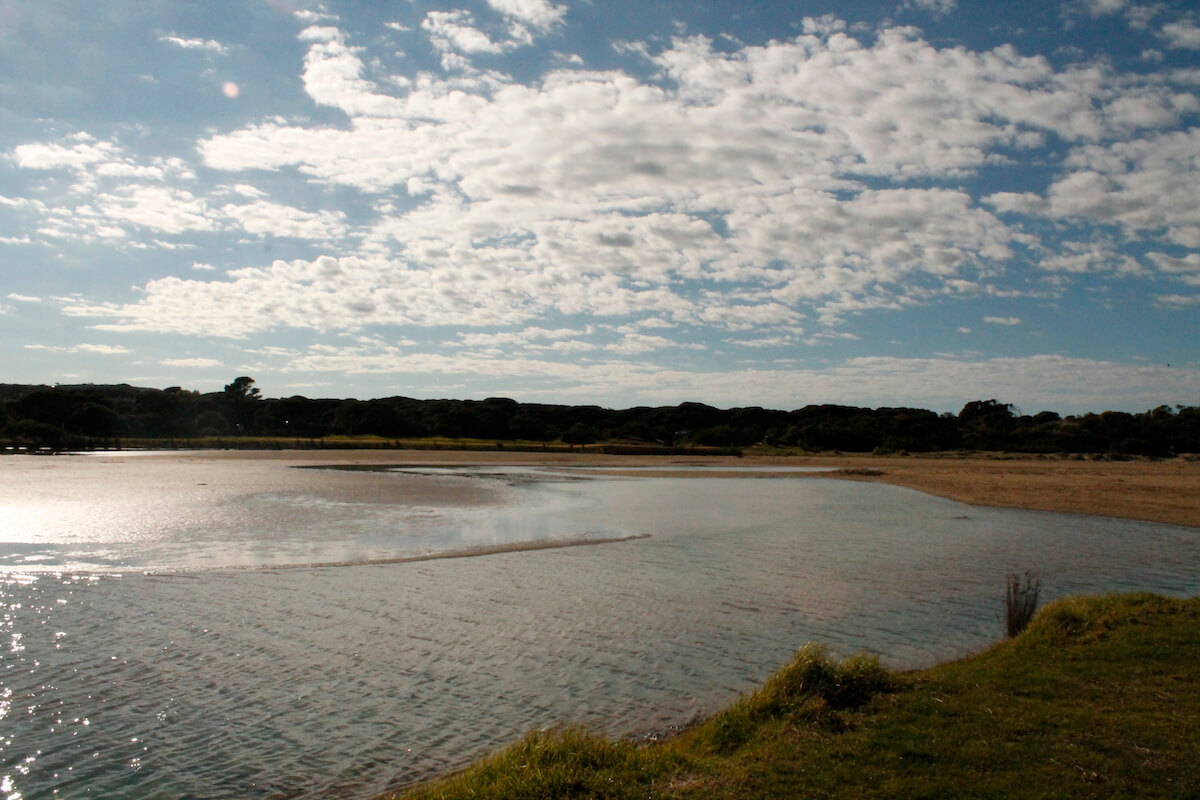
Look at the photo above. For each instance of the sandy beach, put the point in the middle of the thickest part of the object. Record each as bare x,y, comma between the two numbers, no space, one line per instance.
1154,491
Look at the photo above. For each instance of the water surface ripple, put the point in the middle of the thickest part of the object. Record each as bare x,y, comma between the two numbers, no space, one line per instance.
306,682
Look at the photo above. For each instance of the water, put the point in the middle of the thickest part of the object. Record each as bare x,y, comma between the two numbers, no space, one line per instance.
178,636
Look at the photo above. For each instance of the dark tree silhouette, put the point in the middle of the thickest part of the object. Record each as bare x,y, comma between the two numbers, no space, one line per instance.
92,415
242,388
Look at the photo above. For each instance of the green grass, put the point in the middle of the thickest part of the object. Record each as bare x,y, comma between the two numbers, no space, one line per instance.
1098,698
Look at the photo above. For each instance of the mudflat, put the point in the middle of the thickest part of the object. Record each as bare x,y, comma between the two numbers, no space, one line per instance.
1154,491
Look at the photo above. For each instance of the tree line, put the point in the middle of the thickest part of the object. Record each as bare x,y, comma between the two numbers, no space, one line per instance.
89,415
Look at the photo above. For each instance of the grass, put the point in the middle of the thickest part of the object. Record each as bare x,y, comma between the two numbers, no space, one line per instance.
1098,698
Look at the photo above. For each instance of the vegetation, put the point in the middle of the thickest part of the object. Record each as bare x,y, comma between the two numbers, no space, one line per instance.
1098,698
107,415
1020,601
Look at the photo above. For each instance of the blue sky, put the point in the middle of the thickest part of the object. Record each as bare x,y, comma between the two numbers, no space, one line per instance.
922,202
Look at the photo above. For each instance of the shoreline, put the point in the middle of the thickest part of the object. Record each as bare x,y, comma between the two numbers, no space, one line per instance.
1166,491
1015,715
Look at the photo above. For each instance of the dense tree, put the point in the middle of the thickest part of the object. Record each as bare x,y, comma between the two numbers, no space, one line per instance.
986,425
65,416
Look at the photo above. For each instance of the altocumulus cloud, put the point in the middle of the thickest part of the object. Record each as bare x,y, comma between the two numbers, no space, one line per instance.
567,222
565,193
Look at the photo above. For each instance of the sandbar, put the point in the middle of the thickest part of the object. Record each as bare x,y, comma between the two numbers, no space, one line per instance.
1166,491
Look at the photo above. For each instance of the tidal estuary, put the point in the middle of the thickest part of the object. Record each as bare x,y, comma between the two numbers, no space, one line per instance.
190,626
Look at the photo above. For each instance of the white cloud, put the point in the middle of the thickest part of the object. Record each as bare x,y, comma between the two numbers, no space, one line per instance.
23,298
114,169
331,294
525,336
596,174
86,151
246,190
788,108
273,219
1149,109
1002,320
154,207
1090,256
170,209
1182,35
1141,16
1186,269
747,188
936,7
763,342
94,349
310,16
1144,185
209,45
538,13
333,76
196,363
455,31
1100,8
20,202
824,25
1178,300
636,343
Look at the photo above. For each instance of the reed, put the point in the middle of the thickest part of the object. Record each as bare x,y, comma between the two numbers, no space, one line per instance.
1020,601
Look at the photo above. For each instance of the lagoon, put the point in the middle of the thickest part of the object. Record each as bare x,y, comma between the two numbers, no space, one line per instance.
181,626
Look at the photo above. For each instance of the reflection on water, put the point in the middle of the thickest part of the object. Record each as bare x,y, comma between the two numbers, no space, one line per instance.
307,682
172,516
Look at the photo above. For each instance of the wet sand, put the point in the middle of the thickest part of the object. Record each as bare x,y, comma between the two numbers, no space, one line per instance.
1154,491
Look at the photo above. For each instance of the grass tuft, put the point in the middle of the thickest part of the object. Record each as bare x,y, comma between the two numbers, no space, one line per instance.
1020,602
1083,620
807,689
560,763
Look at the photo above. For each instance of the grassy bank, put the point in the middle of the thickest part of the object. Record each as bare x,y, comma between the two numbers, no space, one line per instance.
1099,697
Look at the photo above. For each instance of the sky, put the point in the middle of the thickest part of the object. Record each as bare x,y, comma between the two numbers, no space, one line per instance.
906,203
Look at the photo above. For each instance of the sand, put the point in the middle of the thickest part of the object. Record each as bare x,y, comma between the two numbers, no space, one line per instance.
1155,491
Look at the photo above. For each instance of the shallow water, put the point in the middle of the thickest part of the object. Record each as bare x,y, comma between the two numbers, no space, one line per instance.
284,681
